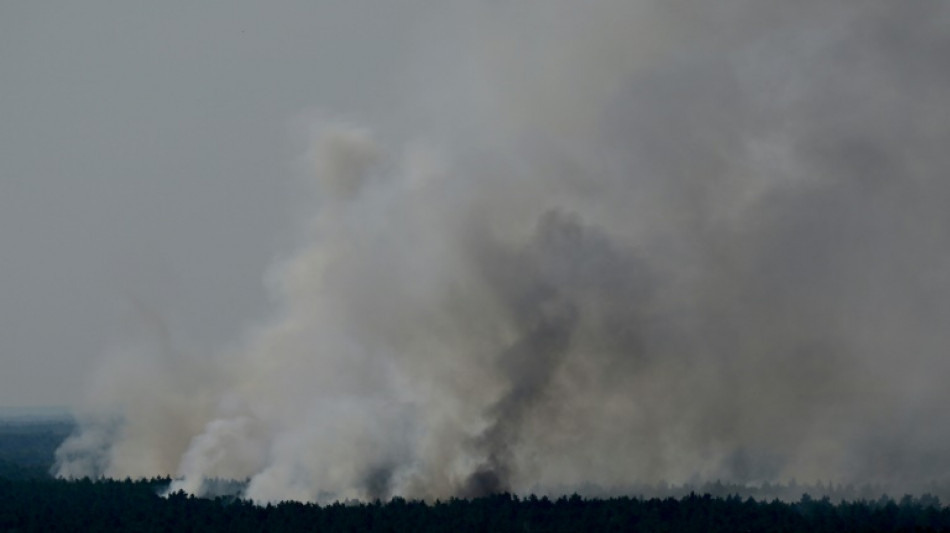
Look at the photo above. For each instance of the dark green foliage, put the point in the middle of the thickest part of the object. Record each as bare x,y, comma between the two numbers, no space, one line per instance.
31,443
11,470
84,505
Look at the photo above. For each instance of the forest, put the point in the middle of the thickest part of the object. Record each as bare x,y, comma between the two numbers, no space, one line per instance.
114,505
32,500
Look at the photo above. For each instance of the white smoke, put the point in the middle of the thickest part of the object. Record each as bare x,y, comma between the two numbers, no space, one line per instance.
673,241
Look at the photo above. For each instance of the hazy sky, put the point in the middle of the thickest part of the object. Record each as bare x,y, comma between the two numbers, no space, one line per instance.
149,164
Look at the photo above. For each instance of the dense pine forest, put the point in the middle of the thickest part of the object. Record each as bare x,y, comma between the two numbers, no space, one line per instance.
56,505
31,500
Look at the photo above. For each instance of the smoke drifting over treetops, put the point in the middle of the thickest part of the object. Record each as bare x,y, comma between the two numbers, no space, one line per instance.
654,241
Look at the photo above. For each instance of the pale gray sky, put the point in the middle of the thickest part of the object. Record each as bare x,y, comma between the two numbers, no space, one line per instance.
149,164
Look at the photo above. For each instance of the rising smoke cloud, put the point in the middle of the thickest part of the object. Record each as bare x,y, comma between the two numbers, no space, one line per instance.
655,241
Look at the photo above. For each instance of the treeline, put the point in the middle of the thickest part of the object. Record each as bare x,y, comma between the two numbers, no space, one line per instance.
766,491
31,442
56,505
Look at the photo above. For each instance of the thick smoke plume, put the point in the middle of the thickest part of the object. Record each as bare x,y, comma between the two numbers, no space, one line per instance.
654,241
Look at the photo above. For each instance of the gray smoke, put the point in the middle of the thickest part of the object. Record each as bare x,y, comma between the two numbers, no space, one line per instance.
640,241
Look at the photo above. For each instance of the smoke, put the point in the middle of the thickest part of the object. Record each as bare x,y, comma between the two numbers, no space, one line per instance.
646,241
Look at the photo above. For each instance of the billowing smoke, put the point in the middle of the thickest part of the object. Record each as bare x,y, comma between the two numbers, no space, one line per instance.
643,241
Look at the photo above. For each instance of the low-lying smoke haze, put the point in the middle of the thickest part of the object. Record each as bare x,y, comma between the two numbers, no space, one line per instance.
619,242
